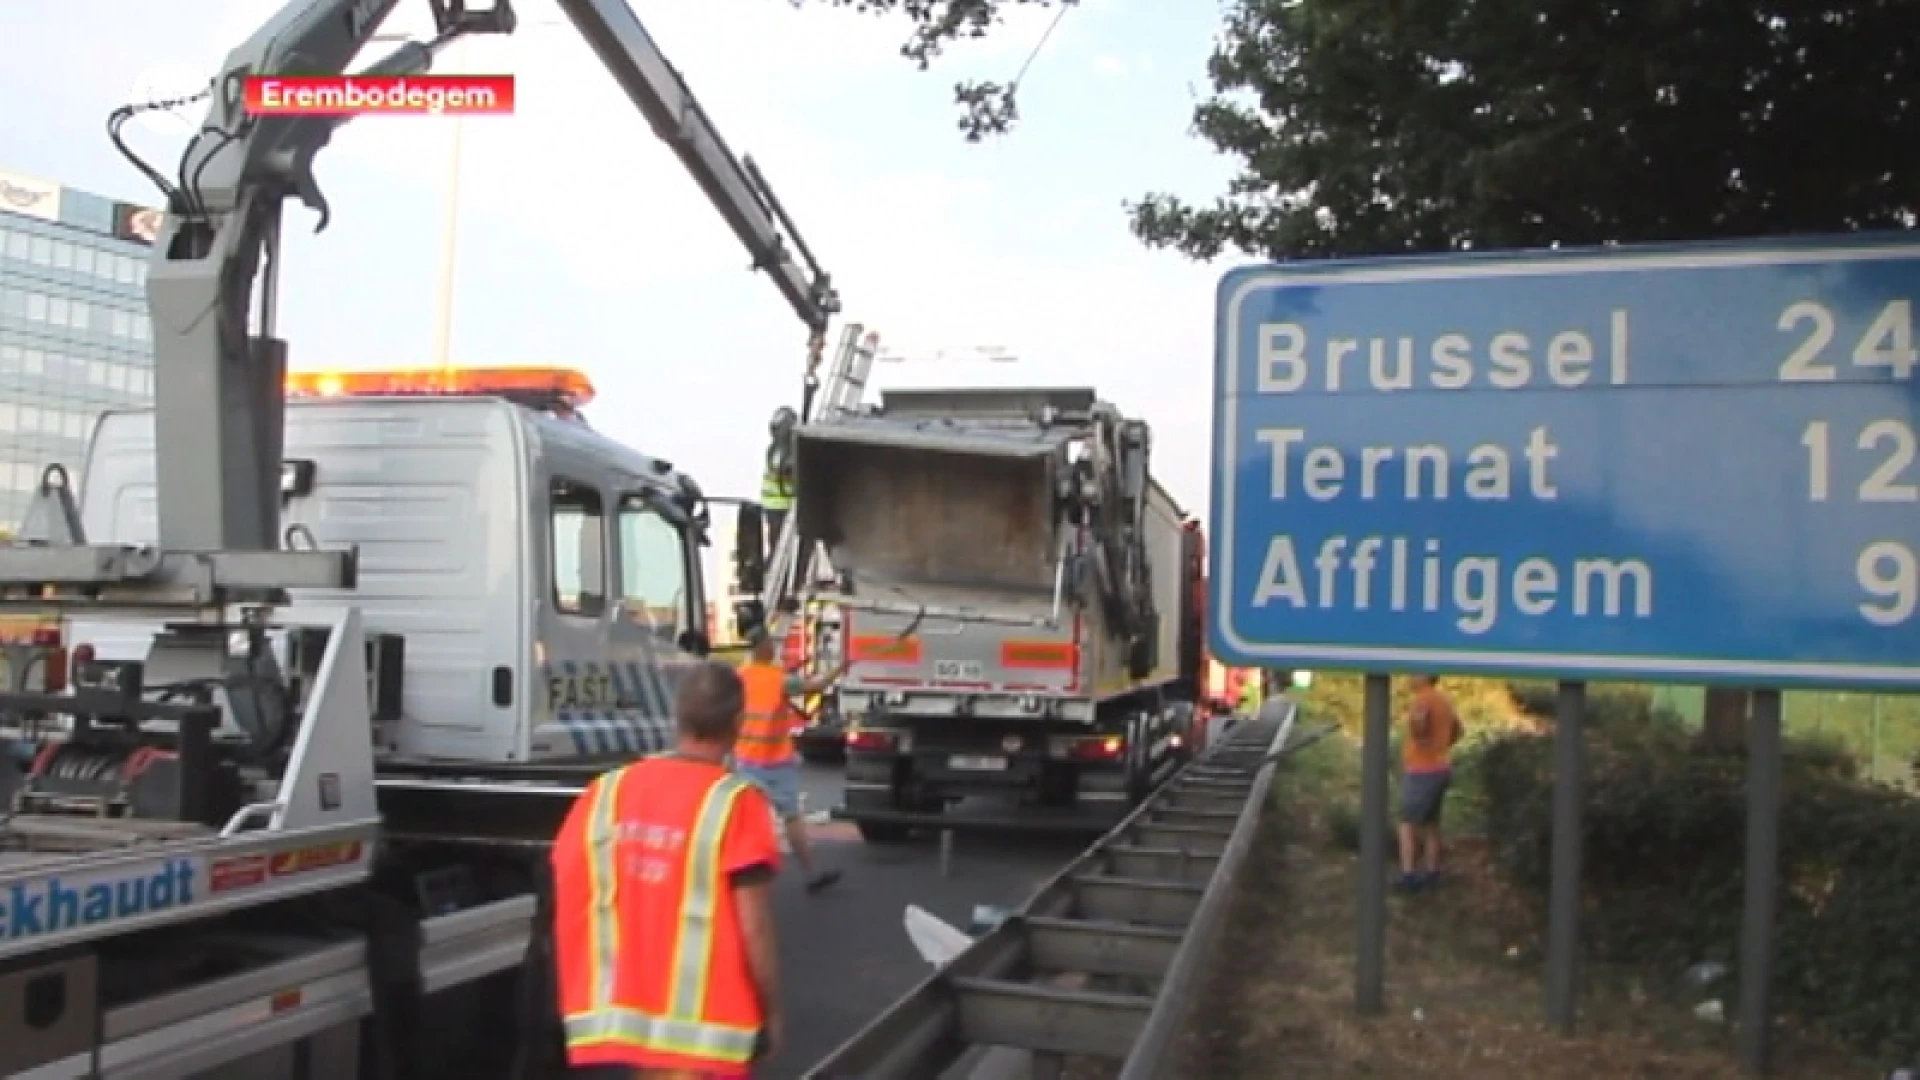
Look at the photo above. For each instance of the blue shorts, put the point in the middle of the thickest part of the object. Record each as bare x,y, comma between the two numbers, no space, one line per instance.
780,782
1422,794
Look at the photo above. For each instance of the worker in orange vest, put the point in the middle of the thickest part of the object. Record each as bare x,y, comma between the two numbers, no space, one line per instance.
664,944
765,753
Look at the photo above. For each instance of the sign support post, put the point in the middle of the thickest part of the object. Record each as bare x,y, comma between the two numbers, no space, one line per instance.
1763,881
1370,978
1563,902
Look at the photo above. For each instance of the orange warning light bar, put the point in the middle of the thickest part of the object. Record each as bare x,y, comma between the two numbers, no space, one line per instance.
565,385
884,650
1032,655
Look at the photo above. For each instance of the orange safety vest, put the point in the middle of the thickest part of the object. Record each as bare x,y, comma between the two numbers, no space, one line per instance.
649,956
766,729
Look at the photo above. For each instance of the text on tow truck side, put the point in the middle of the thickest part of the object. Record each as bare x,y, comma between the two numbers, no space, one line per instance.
315,663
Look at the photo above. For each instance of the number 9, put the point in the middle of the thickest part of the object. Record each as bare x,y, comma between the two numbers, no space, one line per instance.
1888,572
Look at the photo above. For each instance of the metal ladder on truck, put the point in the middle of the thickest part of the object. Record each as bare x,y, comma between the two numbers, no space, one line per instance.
843,392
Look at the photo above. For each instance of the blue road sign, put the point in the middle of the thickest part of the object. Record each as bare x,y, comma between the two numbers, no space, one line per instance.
1693,464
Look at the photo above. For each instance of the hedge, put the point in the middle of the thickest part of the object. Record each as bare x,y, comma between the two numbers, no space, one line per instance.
1665,842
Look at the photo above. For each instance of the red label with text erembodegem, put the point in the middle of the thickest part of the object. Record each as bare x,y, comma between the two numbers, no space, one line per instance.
363,95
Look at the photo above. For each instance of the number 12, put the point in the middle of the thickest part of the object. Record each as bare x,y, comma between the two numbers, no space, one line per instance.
1883,484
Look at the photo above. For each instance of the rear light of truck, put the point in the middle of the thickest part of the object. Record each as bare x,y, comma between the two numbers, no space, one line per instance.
57,660
1039,655
1102,748
868,740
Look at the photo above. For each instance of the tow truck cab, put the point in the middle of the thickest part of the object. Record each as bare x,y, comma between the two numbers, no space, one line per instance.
533,586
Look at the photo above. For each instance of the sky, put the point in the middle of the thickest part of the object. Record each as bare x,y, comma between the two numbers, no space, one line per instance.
578,240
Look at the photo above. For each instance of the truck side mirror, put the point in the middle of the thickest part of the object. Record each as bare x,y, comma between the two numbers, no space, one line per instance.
695,642
749,549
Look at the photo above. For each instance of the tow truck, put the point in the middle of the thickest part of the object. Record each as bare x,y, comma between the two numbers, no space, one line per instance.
308,703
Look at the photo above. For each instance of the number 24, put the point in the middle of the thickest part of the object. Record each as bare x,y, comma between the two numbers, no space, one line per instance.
1888,343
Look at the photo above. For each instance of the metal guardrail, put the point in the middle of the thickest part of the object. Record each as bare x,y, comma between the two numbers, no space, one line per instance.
1105,959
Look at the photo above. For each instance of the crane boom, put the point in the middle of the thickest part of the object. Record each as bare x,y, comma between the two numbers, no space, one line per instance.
734,186
219,400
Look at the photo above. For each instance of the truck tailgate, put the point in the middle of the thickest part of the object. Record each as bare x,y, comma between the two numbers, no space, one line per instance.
1004,649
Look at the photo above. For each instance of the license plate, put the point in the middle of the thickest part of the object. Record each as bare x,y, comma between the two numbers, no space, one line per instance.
978,762
956,670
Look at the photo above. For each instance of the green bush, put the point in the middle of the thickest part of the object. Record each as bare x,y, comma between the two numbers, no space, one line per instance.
1343,825
1608,704
1665,836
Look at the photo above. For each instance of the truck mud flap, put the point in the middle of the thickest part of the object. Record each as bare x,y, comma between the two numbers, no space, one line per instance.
392,932
540,1051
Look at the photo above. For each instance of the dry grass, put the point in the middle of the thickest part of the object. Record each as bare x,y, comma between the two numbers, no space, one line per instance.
1464,987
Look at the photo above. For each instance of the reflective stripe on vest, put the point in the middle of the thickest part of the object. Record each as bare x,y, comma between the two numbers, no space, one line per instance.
681,1031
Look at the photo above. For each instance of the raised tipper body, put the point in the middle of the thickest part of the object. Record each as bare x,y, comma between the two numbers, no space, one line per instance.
1016,589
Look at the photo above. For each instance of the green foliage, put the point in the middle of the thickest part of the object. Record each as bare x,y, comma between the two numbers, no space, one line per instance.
1371,127
1612,705
1665,828
1340,698
986,108
1343,825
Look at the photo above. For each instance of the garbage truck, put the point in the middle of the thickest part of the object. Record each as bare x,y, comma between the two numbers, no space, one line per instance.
1018,603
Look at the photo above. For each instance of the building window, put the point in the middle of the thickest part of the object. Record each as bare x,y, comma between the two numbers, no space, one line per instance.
123,270
19,246
36,307
42,251
83,260
578,549
59,311
653,570
120,324
9,416
62,255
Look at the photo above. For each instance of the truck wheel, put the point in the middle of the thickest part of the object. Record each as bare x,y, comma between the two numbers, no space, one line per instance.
878,832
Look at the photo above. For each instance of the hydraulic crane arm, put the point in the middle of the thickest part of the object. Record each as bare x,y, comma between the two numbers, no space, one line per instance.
219,398
734,186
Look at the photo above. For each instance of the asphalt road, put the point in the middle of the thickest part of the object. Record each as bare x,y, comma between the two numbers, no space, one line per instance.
844,952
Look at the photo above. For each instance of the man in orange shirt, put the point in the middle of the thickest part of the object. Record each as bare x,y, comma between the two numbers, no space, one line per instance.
1426,754
766,755
664,944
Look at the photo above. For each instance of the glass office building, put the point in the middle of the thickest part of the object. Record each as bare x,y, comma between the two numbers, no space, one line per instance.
74,332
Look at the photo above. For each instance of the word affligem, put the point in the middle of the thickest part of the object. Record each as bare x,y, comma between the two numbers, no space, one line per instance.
359,95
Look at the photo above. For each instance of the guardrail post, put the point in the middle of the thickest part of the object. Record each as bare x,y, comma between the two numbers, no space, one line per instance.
1563,903
1369,990
1763,880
